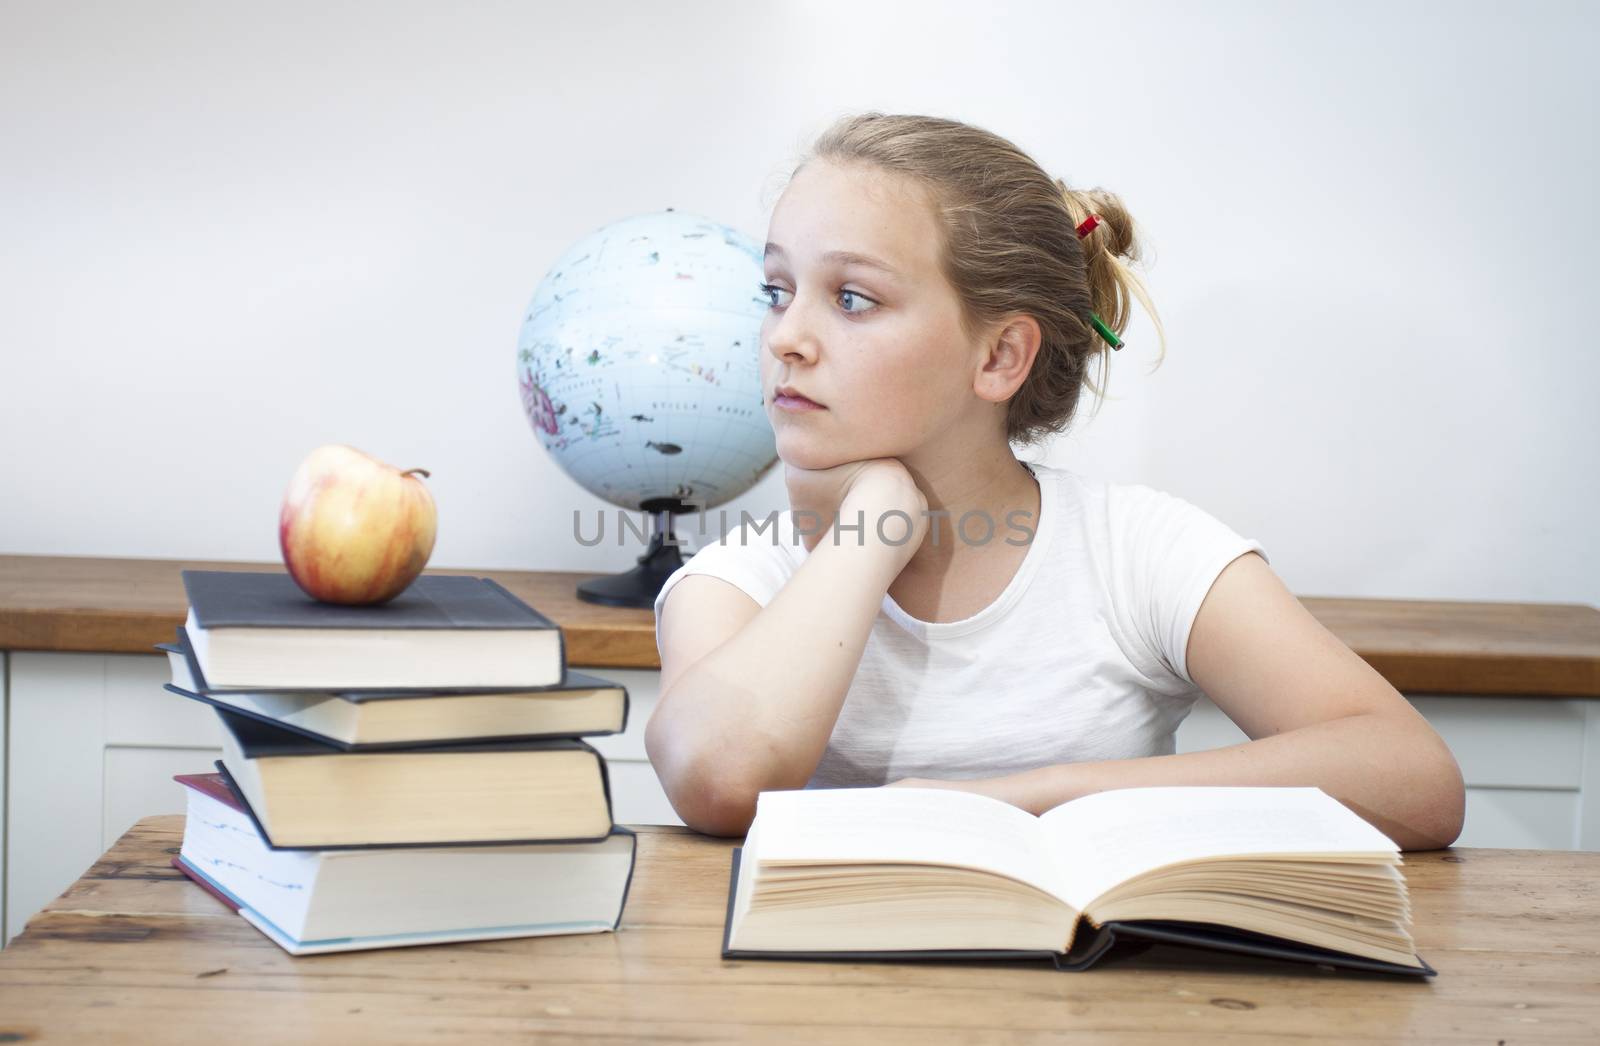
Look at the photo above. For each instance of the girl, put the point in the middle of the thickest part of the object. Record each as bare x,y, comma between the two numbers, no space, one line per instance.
936,612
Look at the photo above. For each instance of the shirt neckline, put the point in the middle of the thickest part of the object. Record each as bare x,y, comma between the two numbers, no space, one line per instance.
1019,581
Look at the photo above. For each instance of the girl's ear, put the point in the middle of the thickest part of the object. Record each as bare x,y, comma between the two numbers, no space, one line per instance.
1008,359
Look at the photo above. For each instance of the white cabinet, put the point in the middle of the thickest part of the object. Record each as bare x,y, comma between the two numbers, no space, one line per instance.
1529,764
94,740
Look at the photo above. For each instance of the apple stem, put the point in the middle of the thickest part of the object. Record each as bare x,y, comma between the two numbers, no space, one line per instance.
407,472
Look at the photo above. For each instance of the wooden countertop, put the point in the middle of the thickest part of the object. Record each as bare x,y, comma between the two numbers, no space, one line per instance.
93,604
134,952
88,603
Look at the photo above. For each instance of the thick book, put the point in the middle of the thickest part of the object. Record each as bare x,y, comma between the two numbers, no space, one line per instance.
258,631
581,705
308,795
924,873
315,901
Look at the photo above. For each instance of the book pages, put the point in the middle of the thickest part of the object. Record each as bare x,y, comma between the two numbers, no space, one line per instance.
902,825
1103,839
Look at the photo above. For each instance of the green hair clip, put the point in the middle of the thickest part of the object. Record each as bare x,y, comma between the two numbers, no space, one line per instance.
1105,332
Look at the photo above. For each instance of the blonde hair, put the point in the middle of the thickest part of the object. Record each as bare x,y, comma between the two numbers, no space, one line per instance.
1010,246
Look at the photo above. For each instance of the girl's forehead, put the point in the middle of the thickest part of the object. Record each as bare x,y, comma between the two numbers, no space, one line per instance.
853,190
848,216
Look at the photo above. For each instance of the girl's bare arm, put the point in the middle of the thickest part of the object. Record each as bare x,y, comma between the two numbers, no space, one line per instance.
749,694
1316,713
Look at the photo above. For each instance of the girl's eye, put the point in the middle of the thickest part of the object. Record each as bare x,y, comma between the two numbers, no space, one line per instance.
767,290
854,296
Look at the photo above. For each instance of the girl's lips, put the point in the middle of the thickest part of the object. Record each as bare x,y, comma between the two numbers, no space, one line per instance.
796,403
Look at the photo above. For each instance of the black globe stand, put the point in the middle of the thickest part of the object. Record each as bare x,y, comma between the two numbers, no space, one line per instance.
639,586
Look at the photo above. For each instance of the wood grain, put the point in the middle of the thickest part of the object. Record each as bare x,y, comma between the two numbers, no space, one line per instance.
135,953
72,603
82,603
1465,647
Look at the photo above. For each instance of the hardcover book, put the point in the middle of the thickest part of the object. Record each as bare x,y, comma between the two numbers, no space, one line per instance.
306,794
924,873
581,705
258,631
313,901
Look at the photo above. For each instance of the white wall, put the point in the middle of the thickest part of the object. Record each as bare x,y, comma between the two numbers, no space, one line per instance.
235,232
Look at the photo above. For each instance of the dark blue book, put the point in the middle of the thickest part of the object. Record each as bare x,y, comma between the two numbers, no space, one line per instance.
581,705
258,631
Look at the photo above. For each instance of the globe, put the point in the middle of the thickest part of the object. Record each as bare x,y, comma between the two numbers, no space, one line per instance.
638,367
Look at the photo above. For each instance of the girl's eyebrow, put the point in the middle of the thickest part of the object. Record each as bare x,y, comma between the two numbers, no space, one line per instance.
842,257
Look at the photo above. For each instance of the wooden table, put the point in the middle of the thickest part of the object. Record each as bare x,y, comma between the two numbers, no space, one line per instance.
134,952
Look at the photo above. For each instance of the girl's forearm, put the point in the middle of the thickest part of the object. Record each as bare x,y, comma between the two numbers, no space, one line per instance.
1402,780
757,712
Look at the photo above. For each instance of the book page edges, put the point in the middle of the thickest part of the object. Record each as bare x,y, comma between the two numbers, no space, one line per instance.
283,658
847,896
739,871
1090,942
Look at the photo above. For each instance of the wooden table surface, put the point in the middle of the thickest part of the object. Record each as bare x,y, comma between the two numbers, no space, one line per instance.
134,952
82,603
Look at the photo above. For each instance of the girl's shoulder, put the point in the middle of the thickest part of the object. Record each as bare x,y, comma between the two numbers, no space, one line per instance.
1119,509
756,555
1156,555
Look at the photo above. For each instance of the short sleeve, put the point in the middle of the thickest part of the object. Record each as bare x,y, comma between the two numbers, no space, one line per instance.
1166,554
754,558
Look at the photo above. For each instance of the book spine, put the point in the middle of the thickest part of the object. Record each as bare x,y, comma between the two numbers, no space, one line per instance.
183,866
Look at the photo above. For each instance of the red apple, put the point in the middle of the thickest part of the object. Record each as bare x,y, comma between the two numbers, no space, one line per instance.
354,530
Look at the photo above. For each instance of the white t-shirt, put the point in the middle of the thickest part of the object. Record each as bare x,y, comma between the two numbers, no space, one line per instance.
1081,658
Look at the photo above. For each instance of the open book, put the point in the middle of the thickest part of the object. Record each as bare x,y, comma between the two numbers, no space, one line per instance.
901,873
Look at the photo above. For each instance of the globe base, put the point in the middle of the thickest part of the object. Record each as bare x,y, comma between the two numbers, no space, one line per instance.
640,586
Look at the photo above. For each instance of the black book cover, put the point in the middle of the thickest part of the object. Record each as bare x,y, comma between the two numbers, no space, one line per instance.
478,743
1091,944
271,599
264,738
571,679
574,680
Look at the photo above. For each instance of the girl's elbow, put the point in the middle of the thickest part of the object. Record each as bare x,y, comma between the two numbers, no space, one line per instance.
727,816
1453,814
699,787
1446,811
713,809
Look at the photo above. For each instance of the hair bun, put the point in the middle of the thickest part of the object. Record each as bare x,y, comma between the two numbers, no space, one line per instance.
1114,232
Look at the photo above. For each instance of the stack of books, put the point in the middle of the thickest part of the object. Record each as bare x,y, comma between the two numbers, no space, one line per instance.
407,773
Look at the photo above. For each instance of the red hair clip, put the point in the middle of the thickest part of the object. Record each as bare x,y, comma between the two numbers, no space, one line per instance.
1088,225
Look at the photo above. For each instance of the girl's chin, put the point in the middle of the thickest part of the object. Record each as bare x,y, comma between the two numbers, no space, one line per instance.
803,450
800,456
817,460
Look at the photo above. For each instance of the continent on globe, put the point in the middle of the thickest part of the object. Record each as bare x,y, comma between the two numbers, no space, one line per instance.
638,363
